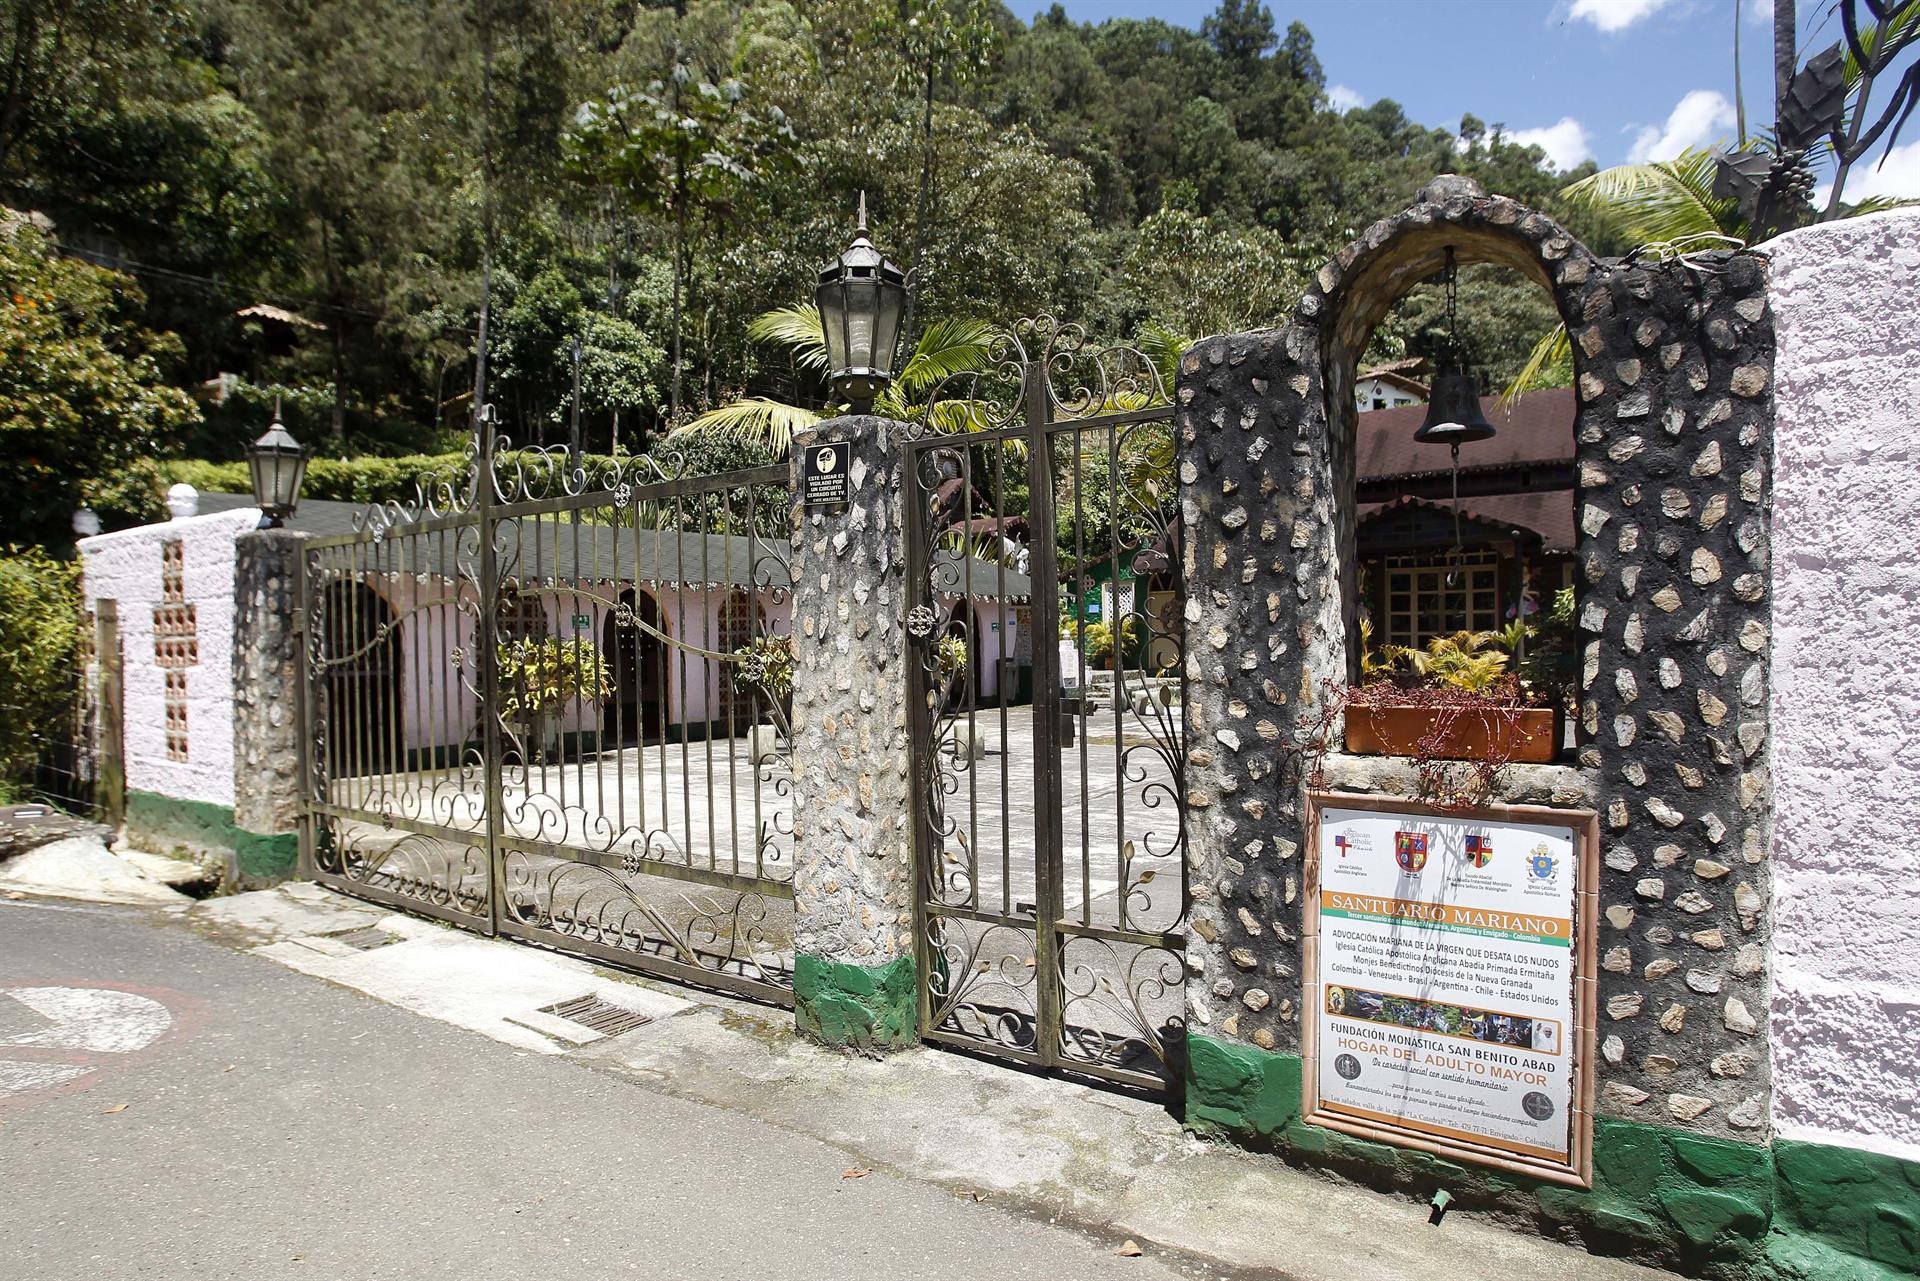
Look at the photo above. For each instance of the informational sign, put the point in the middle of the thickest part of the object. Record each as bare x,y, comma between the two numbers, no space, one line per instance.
1446,952
825,474
583,622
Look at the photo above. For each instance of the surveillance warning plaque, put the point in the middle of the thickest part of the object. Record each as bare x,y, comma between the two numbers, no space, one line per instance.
1451,980
825,479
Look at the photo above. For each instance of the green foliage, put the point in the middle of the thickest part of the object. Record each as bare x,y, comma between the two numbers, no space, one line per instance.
1470,661
135,494
1475,662
346,480
82,388
39,650
1097,639
946,348
650,178
1546,668
540,677
950,655
766,663
1660,202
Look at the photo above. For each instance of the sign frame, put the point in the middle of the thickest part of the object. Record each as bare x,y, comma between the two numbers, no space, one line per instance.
1584,827
826,474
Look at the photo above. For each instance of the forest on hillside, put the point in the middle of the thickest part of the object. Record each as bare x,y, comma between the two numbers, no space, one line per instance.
636,178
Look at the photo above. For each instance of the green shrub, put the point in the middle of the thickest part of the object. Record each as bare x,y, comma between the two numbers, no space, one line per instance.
39,651
540,677
377,479
766,662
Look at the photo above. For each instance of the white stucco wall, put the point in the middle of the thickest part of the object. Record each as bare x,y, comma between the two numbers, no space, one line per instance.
126,567
440,709
1846,684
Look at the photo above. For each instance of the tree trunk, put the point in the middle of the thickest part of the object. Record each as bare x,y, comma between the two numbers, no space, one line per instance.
679,271
920,212
1739,92
1786,54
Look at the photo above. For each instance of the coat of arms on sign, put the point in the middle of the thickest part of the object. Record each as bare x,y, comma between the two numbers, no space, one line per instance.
1410,851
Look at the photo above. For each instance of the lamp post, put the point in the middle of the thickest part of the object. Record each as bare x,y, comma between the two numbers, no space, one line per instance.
278,463
862,298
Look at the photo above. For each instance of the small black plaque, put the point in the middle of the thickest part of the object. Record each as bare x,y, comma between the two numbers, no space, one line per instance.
824,474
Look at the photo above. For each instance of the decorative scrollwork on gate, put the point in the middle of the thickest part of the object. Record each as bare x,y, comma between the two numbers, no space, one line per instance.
526,710
1051,833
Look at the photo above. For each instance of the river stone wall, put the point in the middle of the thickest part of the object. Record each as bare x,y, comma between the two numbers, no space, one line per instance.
853,854
1673,361
266,700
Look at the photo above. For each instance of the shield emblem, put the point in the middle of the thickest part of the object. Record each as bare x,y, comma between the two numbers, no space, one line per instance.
1410,851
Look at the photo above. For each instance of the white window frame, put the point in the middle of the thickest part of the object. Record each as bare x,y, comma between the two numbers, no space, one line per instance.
1417,604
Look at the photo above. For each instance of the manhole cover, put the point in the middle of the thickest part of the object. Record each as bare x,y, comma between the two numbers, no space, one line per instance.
366,938
600,1016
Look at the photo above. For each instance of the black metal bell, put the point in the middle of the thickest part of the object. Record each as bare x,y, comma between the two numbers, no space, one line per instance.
1453,412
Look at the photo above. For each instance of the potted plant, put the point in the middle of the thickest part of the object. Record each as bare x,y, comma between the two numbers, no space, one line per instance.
538,678
765,664
1453,700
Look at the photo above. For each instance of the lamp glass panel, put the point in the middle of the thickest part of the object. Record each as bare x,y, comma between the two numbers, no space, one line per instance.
862,303
262,466
832,300
299,470
886,329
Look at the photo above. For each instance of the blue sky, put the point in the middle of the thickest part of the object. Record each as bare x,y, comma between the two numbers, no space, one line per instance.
1616,80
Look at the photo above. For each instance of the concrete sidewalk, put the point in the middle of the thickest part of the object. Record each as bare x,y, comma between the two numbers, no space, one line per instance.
1111,1164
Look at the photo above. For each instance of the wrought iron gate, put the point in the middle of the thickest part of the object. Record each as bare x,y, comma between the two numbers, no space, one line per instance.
544,700
1048,710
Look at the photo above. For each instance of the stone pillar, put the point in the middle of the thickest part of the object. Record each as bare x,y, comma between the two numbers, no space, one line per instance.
266,704
854,983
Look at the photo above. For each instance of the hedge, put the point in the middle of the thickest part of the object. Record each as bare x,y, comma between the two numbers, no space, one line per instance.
371,480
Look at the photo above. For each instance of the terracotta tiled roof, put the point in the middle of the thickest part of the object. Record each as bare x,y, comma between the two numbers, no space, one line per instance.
1536,428
1546,512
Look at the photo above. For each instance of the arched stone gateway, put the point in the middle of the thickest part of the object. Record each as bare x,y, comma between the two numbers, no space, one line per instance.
1673,358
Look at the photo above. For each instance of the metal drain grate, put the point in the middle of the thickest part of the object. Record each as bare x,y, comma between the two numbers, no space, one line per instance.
366,938
600,1016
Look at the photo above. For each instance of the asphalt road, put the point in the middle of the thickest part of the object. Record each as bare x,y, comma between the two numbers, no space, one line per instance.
269,1125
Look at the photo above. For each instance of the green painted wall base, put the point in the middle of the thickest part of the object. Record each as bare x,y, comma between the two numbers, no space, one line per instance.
1790,1212
856,1007
167,824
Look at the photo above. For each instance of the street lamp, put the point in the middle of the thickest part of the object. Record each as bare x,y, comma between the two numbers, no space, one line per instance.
861,297
279,464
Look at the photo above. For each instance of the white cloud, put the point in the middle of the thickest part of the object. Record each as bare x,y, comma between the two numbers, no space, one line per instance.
1345,99
1758,12
1610,16
1703,116
1565,143
1899,176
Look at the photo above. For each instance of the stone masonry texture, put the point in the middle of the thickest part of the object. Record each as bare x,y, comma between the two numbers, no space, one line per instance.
266,682
853,856
1673,361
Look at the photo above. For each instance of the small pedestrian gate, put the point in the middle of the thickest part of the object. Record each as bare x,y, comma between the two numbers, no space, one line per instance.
1050,827
546,700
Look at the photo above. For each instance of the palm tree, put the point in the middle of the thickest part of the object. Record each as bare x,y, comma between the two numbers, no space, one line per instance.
1663,206
1660,203
946,348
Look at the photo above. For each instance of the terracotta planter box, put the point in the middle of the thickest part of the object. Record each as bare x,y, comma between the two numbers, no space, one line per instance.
1533,738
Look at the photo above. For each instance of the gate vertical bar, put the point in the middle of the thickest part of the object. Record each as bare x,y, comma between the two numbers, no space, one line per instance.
926,858
308,723
1046,702
486,629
